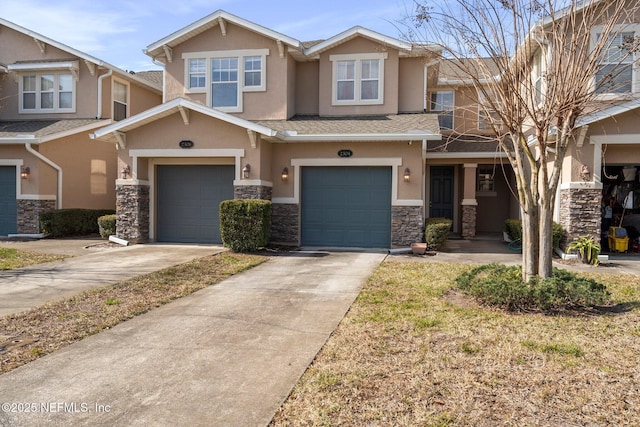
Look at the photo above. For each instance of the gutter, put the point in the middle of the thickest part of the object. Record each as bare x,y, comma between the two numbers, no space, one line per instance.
30,149
102,77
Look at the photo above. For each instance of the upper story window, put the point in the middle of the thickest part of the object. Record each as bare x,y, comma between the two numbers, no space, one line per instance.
442,103
486,114
617,74
358,79
120,100
47,92
225,75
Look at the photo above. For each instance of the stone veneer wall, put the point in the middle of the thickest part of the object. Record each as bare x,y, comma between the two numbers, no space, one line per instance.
580,213
252,192
285,224
28,213
407,225
132,212
468,221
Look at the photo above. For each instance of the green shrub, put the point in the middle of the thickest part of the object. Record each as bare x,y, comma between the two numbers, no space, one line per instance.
436,232
107,225
513,227
502,286
71,222
245,224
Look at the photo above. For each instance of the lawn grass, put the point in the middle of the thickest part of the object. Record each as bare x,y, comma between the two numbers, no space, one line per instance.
15,258
413,351
47,328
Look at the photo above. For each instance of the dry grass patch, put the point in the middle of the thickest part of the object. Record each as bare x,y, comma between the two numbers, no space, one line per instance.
14,258
409,354
42,330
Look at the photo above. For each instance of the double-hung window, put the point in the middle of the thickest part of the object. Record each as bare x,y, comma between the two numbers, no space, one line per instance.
48,92
358,79
120,100
225,75
486,114
442,103
616,71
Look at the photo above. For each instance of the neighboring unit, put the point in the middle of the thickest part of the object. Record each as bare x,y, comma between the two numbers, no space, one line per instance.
51,98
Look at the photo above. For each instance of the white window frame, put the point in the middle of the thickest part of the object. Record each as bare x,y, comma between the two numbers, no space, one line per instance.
483,121
453,106
113,97
187,73
56,92
358,59
635,79
240,54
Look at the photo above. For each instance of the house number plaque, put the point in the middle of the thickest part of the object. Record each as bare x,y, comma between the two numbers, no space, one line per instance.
186,144
345,153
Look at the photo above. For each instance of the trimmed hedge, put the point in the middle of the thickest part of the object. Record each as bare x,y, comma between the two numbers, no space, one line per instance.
72,222
436,232
513,227
245,224
107,225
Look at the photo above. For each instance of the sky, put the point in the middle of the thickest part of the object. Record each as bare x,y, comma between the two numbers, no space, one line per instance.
116,31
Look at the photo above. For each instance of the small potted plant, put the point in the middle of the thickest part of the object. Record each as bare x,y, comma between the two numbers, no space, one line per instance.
588,249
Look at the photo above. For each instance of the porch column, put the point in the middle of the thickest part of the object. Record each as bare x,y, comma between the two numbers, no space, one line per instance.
469,202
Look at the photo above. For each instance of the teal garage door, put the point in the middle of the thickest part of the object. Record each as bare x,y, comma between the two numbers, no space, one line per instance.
189,201
346,206
8,204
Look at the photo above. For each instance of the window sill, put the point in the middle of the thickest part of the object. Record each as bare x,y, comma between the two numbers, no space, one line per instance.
486,194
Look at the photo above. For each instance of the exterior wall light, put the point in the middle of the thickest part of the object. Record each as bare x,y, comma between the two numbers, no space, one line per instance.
246,170
407,175
25,172
125,171
285,174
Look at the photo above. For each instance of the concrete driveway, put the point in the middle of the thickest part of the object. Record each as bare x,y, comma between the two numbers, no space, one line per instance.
93,264
227,355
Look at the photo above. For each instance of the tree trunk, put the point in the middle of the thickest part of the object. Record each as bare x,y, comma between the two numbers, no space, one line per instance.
530,226
545,257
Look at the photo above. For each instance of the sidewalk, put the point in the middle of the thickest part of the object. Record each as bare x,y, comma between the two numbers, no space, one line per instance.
25,288
227,355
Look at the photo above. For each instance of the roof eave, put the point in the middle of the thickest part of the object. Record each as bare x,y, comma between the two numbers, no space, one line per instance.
336,137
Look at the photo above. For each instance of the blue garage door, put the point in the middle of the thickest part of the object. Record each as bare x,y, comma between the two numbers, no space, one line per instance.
189,202
346,206
8,205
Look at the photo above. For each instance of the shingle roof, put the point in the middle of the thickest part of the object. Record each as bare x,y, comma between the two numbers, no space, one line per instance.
361,125
464,145
42,128
154,76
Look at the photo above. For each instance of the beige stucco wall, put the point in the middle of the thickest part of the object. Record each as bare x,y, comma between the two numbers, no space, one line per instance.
307,88
268,105
89,171
40,181
411,85
391,66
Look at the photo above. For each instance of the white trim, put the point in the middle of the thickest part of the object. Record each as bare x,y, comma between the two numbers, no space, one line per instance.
37,92
409,202
17,163
140,119
357,81
252,182
37,197
358,31
616,30
469,202
236,153
133,182
628,138
73,131
409,136
125,83
44,66
393,162
608,112
466,155
577,185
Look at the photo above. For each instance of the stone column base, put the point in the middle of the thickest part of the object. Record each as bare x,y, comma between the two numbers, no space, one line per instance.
252,192
285,224
132,212
580,213
28,214
407,225
468,221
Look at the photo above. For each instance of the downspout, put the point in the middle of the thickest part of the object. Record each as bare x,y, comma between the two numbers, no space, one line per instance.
53,165
102,77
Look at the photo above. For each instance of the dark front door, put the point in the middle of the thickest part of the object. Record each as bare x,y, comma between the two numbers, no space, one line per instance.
441,192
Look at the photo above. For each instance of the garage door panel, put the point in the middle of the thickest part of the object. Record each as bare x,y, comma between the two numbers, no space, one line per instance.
188,202
8,203
346,206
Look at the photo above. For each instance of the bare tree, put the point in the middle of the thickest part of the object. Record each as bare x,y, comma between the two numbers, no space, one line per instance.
550,59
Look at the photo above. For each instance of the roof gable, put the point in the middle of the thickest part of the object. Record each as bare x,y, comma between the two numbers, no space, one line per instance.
91,61
161,49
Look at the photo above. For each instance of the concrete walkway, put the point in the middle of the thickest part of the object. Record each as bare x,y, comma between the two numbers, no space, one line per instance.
227,355
25,288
